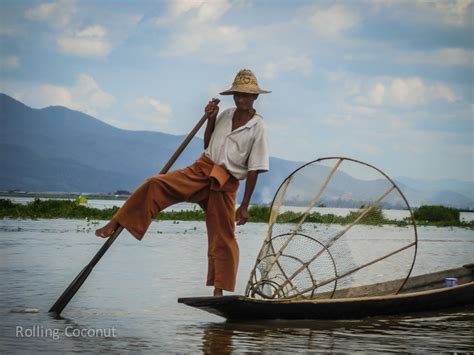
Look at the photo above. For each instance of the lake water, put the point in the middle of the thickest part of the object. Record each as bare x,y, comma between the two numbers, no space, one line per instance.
132,294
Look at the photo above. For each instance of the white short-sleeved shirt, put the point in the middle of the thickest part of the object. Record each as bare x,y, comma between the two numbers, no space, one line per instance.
242,150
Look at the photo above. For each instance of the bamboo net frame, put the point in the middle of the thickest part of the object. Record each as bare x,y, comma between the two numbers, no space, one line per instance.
268,251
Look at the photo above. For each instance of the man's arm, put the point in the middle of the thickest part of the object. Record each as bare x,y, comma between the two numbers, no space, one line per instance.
242,213
211,111
258,162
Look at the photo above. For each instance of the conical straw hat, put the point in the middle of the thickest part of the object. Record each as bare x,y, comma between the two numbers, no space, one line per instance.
246,82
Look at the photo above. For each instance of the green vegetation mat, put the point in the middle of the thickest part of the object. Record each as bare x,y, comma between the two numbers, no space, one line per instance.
425,215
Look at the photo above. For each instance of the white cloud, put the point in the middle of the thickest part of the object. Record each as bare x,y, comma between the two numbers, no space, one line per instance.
439,57
177,8
289,63
51,95
454,12
231,39
194,11
194,26
377,94
85,96
442,92
405,91
56,14
89,96
211,11
160,107
333,21
148,113
227,39
78,33
92,31
10,62
90,42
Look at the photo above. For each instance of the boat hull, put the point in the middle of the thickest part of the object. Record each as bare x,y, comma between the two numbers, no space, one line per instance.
241,307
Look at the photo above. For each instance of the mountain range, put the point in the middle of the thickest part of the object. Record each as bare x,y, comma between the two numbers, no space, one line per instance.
58,149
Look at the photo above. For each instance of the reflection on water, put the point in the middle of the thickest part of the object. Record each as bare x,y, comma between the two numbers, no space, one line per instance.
447,331
135,286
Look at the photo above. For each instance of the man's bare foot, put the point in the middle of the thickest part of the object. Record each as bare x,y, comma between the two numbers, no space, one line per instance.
107,230
218,292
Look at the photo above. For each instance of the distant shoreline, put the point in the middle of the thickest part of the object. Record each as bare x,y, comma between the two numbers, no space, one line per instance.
77,209
66,195
112,197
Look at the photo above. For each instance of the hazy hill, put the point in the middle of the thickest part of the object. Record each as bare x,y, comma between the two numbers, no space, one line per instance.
448,192
58,149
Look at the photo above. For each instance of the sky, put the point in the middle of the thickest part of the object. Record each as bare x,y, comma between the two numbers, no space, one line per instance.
389,83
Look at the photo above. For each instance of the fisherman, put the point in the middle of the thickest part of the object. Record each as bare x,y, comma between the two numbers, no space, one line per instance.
235,144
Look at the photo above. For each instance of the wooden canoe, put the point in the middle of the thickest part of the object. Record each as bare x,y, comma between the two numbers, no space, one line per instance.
421,293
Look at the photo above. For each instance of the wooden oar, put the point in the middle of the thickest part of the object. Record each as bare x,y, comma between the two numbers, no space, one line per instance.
71,290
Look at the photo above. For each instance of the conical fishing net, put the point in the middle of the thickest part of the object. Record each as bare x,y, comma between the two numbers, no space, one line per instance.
329,235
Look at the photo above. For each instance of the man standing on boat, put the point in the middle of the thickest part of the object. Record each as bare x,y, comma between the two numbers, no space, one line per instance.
235,146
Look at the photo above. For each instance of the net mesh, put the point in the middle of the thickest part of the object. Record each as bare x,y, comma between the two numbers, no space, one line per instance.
329,237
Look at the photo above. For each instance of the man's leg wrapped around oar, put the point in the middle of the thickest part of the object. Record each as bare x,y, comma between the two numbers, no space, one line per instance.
197,183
